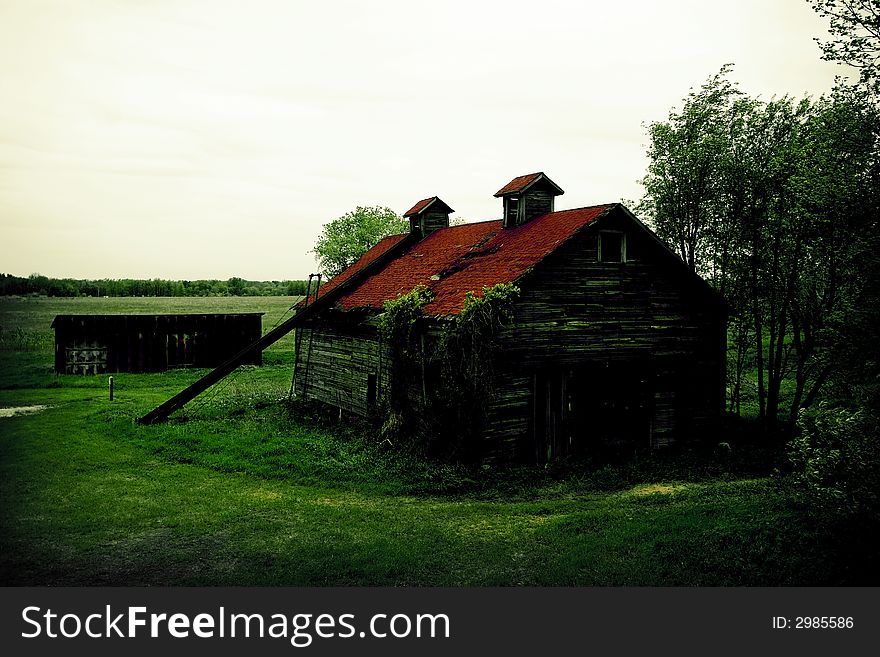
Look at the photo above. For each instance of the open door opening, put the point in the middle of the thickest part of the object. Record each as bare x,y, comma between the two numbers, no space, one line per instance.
592,410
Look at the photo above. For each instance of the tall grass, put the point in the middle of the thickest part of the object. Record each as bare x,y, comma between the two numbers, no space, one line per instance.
20,339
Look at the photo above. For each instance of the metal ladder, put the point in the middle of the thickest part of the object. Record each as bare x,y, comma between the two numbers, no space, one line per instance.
298,344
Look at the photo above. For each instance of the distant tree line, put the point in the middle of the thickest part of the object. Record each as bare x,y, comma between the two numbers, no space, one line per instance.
37,284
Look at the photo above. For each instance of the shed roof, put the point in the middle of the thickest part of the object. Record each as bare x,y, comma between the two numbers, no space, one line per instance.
459,259
119,318
383,246
522,183
425,203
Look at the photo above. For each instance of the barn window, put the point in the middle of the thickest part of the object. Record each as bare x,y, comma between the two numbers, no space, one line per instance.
510,220
371,389
612,246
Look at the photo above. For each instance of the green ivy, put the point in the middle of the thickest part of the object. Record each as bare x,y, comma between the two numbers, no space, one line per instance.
399,326
457,363
469,343
466,352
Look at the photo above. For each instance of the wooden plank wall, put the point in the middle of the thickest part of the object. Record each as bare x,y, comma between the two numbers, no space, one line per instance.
97,344
535,203
336,366
574,310
434,221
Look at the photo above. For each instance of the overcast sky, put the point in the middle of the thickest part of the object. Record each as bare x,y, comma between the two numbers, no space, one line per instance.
205,139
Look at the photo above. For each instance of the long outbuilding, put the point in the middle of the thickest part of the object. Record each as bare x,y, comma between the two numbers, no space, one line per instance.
98,344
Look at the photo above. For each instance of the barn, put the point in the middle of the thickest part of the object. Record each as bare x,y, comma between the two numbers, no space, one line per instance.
613,340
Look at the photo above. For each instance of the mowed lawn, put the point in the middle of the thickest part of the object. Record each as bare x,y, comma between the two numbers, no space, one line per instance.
237,490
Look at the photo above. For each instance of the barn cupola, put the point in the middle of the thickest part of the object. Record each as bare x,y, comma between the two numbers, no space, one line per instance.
428,215
526,197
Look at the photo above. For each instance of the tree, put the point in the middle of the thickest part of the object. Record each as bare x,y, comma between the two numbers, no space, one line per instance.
347,238
697,193
775,203
855,30
834,299
235,286
685,153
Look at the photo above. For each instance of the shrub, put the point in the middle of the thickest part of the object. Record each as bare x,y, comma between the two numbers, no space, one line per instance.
836,458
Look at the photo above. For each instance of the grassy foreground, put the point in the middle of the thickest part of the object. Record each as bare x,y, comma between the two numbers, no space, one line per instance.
237,491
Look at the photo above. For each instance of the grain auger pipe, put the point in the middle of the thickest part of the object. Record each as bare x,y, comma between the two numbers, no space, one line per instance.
189,393
161,413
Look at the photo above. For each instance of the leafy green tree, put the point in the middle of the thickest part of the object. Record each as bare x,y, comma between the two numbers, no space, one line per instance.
347,238
854,26
685,153
837,192
236,286
775,203
772,238
697,191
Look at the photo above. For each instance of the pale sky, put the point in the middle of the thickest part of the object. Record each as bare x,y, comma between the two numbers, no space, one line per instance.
192,139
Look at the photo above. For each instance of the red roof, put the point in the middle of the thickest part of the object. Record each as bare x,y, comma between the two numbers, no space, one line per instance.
425,203
381,247
518,184
459,259
418,207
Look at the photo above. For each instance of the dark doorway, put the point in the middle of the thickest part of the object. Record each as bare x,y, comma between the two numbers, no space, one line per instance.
592,409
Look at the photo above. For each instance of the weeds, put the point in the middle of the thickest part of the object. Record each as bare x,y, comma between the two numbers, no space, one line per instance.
19,339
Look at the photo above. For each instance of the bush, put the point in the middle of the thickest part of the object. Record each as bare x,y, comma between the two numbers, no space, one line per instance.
836,458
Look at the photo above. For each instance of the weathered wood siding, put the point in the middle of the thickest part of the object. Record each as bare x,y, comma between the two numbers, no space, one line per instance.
574,310
334,363
432,221
527,206
535,203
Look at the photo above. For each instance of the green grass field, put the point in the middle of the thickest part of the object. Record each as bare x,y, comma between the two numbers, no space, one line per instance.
236,490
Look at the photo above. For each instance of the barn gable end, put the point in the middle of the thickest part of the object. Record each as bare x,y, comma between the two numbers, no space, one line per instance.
607,354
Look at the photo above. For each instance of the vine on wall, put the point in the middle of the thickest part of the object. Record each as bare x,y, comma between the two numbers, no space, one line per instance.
401,330
440,382
466,353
